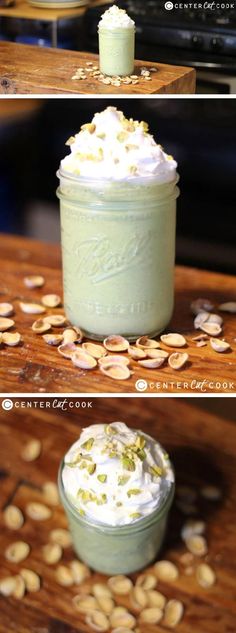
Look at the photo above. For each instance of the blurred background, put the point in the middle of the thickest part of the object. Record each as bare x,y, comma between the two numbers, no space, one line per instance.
200,133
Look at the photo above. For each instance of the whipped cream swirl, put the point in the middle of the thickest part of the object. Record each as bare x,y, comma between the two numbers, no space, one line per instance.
115,476
113,147
115,18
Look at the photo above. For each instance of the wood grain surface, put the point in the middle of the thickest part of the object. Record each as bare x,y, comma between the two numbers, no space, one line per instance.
35,366
203,449
36,70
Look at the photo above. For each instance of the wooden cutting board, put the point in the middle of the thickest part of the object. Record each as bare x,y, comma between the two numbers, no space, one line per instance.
36,70
203,449
37,367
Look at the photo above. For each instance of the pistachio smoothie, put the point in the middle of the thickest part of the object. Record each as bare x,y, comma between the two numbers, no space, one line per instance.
116,485
116,34
118,206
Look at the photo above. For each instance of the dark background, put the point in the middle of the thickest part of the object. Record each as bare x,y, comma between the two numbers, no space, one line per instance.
200,133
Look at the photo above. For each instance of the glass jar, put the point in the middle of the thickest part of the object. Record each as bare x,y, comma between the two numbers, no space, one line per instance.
117,550
116,50
118,252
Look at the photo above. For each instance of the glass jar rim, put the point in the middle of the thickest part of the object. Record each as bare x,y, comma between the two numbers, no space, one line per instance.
123,529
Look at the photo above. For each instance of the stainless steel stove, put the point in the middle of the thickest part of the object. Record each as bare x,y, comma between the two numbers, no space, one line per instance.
200,37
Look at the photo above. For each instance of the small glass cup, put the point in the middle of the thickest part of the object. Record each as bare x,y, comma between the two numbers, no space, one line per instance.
116,51
118,252
117,550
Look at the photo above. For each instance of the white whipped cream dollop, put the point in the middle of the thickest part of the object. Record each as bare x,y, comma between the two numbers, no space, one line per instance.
116,148
115,18
114,475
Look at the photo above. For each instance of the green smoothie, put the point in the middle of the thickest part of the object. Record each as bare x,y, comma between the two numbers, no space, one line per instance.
116,34
118,248
108,535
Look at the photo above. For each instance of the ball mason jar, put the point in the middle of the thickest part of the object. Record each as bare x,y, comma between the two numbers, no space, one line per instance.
117,550
116,50
118,252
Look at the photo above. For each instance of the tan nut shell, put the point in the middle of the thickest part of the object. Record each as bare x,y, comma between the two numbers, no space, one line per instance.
67,349
53,339
38,511
137,353
116,371
51,301
152,363
31,450
83,360
147,343
229,306
97,351
116,359
177,360
213,329
6,309
17,552
166,571
6,324
13,517
173,613
173,340
39,326
116,343
201,305
34,281
11,338
219,345
31,579
31,308
56,320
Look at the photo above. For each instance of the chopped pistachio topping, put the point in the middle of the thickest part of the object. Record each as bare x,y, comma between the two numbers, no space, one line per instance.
91,469
122,480
88,445
101,135
101,500
128,463
134,491
137,459
102,478
133,169
82,512
88,127
157,471
109,430
140,441
70,141
122,136
142,454
130,146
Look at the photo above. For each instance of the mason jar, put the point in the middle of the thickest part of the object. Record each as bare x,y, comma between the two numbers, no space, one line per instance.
116,50
117,550
118,252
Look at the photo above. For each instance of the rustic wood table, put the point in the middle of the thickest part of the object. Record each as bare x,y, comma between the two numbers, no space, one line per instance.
36,70
203,449
37,367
